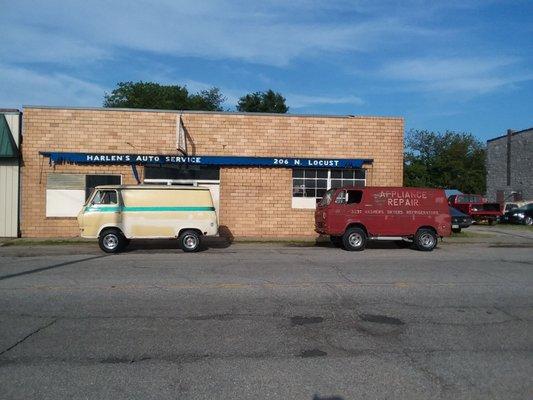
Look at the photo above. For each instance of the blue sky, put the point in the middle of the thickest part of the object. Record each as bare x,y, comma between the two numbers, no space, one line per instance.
459,65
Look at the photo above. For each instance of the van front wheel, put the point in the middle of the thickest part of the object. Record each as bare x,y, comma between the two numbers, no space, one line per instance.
354,239
425,240
112,241
190,241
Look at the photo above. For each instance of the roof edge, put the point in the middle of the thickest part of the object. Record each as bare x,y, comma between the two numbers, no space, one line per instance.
230,113
512,134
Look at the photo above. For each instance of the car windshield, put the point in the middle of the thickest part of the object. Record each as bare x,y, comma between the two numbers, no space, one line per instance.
327,198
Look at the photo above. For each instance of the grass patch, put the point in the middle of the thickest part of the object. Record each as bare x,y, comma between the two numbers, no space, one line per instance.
467,234
514,227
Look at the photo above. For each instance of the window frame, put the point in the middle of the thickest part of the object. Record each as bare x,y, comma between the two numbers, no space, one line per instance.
328,179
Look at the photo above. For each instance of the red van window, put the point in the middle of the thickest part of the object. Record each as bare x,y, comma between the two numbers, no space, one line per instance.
354,196
349,197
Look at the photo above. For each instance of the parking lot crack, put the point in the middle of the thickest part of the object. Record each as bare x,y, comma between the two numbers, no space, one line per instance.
29,335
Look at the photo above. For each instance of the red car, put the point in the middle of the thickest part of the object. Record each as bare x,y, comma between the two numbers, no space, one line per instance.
351,216
477,207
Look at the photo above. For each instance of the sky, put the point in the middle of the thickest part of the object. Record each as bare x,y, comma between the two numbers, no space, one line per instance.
462,65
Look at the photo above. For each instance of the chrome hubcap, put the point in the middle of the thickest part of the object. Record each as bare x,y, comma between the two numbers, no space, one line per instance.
355,240
110,241
190,241
427,240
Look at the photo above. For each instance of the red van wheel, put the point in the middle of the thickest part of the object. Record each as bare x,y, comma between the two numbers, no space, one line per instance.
425,239
354,239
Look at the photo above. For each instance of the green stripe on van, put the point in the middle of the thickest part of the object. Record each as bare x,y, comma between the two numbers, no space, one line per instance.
147,209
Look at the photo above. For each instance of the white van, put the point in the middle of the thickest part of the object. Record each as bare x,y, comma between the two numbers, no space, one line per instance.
116,214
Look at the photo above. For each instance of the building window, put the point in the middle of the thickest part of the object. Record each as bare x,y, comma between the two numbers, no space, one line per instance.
66,193
309,185
91,181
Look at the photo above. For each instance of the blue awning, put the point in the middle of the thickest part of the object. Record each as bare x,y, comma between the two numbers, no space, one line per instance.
236,161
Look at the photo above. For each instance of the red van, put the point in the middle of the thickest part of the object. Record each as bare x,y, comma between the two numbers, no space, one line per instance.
353,215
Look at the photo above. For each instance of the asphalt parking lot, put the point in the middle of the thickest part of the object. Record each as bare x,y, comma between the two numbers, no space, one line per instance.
267,321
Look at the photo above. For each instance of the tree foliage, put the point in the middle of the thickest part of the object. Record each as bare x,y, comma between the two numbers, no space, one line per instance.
168,97
269,102
449,160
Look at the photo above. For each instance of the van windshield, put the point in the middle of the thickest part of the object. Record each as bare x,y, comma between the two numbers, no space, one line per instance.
326,200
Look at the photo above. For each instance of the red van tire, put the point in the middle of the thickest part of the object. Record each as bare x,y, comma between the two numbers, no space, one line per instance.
425,239
112,241
336,240
354,239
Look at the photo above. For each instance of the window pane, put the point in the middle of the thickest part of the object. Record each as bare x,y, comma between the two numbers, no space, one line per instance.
347,182
91,181
336,183
348,174
310,183
320,192
297,173
322,183
310,192
336,173
360,174
310,173
322,173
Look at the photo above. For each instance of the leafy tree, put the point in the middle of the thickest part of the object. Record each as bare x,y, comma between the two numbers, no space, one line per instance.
168,97
449,160
269,102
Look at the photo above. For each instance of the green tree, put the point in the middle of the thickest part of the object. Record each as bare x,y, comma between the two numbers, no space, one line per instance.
268,102
449,160
162,97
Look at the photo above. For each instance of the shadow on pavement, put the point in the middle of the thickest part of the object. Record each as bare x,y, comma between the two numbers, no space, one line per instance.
33,271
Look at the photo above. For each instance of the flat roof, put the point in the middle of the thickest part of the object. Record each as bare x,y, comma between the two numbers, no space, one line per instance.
512,134
158,187
230,113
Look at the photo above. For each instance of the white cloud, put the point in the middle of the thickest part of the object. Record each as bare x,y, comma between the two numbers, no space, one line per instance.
301,101
475,75
20,86
271,34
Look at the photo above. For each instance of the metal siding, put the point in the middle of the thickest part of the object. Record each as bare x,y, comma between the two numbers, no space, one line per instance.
9,185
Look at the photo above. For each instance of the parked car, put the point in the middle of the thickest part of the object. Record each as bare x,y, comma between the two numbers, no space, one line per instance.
521,215
511,205
459,220
352,215
116,214
476,207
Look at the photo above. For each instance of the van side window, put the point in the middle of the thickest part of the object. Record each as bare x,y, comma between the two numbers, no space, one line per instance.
105,197
341,198
354,196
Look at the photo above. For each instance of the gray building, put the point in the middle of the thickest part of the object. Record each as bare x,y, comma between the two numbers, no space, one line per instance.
510,166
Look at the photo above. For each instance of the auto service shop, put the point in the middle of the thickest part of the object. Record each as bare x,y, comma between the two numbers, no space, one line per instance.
265,171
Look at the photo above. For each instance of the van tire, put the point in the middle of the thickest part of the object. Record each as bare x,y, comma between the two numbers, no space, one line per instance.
112,241
425,239
336,240
354,239
190,241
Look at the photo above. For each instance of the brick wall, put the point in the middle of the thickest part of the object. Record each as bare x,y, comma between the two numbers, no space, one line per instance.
254,202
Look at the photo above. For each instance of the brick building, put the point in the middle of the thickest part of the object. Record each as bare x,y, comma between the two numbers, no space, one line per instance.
510,166
265,170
